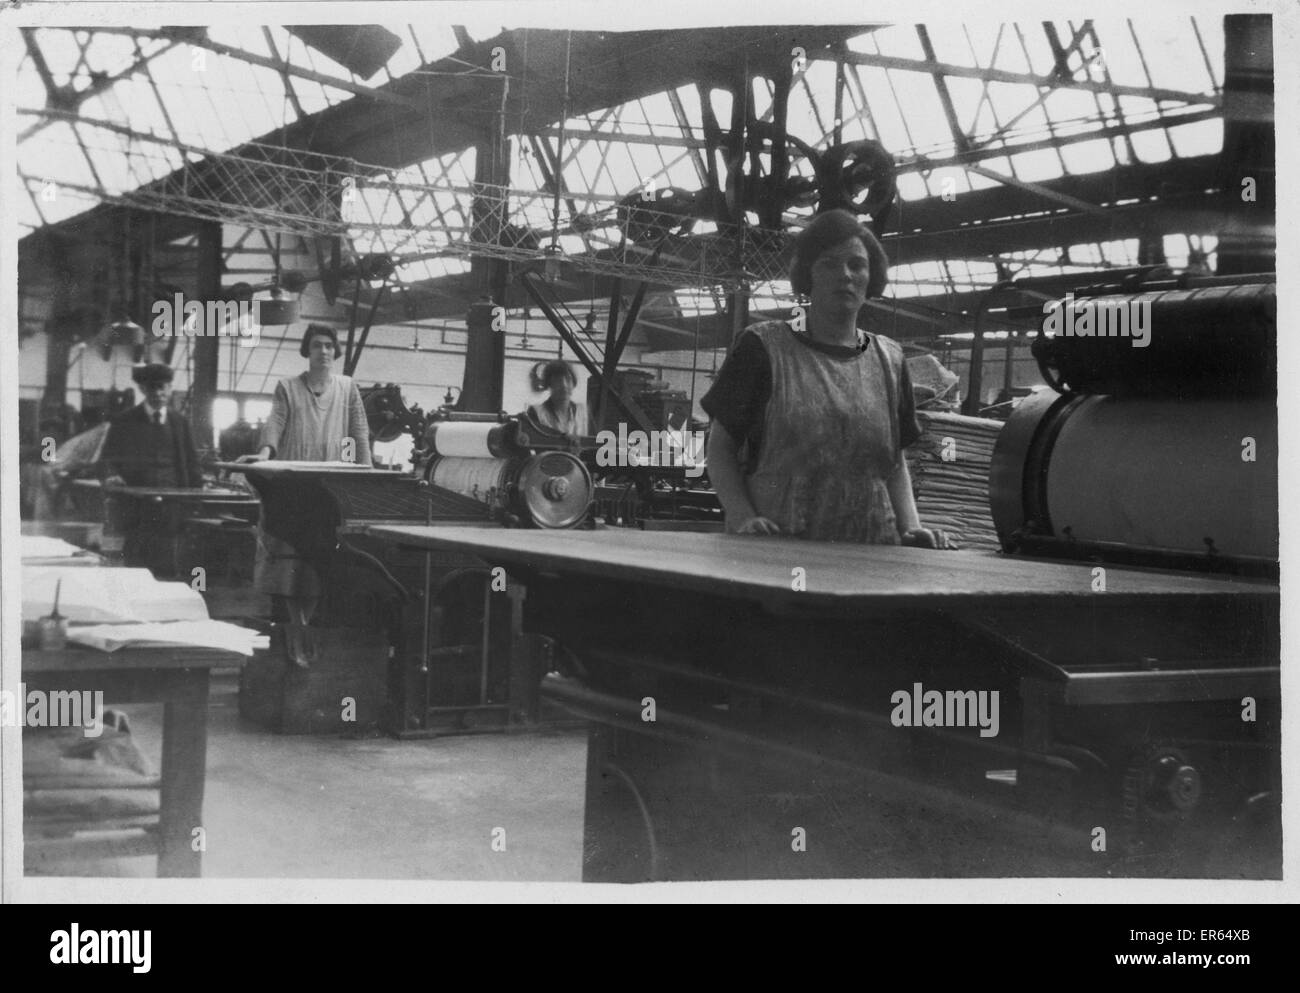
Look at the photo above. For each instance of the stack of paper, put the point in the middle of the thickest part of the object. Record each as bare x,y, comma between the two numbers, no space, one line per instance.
197,634
108,596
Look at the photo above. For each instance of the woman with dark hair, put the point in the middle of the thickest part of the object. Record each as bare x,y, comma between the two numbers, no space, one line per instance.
316,416
558,411
810,423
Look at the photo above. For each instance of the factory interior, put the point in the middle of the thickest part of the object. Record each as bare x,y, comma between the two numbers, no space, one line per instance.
529,631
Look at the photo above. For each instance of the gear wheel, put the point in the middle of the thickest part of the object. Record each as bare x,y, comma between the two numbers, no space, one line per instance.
1160,790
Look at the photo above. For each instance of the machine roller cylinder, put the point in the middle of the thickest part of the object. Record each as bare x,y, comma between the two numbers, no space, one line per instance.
468,440
1187,478
548,490
1215,342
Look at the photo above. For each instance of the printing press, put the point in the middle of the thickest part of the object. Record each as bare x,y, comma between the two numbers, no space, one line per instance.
449,662
745,691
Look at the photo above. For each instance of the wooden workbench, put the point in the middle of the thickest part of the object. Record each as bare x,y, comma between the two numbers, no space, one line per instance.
176,677
773,664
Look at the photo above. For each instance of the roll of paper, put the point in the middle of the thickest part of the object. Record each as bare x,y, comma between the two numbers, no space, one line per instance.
463,440
482,479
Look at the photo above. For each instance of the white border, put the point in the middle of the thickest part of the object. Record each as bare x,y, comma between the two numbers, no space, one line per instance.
617,16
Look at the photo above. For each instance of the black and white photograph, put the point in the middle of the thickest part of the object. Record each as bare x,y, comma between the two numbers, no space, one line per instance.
606,451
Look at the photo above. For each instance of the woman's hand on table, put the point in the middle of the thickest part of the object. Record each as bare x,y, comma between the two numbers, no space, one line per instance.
930,538
759,525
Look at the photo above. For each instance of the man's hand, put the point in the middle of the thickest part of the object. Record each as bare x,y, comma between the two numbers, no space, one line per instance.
759,525
114,481
249,459
930,538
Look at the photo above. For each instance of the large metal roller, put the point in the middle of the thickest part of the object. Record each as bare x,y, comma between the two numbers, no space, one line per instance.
1169,483
1155,449
548,490
1217,341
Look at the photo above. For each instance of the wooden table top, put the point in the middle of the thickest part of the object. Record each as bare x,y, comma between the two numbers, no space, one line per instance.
79,657
834,574
196,493
275,467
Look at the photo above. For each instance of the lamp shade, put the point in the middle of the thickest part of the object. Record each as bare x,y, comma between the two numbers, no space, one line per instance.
276,311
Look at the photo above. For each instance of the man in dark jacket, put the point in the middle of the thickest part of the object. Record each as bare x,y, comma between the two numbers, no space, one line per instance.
152,446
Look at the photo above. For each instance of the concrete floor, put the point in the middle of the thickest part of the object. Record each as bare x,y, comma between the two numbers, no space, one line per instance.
330,807
334,807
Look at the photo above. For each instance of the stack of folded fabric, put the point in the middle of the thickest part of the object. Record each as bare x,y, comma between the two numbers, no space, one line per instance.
949,464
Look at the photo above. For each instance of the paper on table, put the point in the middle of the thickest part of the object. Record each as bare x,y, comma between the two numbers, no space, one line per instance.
41,546
95,596
191,634
278,464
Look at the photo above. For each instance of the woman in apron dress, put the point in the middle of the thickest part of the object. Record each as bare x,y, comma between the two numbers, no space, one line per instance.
316,416
810,422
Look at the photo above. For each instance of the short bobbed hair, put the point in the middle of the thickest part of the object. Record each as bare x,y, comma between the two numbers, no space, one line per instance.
312,331
827,230
554,368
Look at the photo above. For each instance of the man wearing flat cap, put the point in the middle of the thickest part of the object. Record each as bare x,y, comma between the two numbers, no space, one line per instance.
150,446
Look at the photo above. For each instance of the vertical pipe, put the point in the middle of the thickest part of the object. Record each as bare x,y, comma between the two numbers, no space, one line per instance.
206,349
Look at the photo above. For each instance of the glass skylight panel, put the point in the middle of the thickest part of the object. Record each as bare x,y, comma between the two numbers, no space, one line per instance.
975,181
922,110
1120,253
109,53
949,43
61,53
1200,138
1172,54
1088,156
967,97
1039,164
1151,146
1072,111
911,186
436,40
720,101
250,39
55,157
898,40
884,111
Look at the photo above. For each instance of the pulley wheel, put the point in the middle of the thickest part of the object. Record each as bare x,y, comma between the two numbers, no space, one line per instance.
556,488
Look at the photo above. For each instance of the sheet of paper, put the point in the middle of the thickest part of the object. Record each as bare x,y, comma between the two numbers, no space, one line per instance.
108,596
197,634
40,546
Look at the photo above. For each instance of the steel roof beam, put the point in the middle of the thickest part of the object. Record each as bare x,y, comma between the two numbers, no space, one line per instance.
1007,76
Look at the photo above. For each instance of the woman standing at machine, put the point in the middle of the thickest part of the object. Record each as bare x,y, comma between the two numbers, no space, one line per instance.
809,426
316,416
558,411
